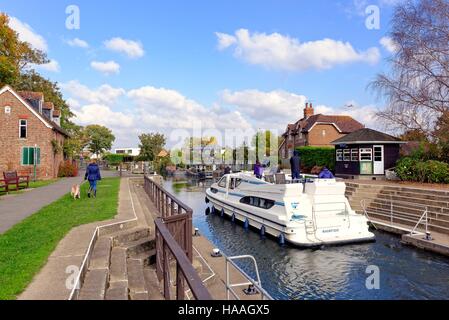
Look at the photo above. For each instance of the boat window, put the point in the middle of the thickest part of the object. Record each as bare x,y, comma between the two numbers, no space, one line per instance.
258,202
213,190
222,182
235,182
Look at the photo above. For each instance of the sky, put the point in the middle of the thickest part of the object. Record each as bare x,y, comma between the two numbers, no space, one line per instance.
177,66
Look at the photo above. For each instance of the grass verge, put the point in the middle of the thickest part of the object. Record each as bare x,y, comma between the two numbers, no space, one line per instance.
25,248
33,185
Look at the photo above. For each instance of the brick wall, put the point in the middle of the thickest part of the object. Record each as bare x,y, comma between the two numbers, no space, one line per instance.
37,133
316,138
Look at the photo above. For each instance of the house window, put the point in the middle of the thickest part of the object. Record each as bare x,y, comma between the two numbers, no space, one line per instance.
22,129
323,133
29,155
366,154
339,155
347,155
7,110
355,155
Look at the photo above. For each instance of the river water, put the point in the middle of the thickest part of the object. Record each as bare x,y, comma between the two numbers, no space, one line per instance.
327,273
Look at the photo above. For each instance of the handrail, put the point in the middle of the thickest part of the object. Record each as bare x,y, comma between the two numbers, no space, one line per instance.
257,284
419,222
184,268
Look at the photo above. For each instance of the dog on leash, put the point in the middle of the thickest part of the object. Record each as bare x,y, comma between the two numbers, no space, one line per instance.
76,192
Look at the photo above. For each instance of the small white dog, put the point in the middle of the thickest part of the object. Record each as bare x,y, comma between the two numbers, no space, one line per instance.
76,193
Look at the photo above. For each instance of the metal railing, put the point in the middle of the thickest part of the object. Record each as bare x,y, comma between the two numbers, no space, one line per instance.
392,216
184,269
256,283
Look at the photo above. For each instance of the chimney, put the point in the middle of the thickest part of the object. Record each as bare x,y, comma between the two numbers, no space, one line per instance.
308,111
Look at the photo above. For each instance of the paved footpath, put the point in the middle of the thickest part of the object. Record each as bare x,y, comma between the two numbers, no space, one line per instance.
50,282
15,208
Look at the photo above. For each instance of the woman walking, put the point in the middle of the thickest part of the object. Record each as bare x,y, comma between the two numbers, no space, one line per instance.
92,175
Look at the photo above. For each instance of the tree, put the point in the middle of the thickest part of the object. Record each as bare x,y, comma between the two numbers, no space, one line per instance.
266,144
99,139
150,145
15,55
74,145
417,89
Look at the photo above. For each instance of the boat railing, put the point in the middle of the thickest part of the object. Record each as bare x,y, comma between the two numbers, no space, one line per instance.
315,211
256,284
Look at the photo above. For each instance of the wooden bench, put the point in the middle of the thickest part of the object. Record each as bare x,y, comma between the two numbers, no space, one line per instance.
11,178
3,186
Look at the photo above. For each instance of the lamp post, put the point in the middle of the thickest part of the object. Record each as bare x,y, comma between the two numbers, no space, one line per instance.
35,160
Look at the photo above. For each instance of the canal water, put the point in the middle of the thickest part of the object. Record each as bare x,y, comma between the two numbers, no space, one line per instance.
327,273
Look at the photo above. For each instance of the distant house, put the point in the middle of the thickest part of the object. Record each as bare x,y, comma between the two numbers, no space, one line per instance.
317,130
30,134
366,153
128,151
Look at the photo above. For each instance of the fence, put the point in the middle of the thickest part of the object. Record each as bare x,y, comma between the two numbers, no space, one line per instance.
174,242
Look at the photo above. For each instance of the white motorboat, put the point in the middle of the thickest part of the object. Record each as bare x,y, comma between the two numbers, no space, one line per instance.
312,213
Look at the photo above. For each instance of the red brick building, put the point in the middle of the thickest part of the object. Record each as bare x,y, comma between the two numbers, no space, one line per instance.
31,136
316,130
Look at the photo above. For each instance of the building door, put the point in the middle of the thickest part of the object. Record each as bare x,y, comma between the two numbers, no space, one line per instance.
379,167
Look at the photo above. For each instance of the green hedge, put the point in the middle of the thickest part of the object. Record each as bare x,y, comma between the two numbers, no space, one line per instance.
116,159
317,156
431,171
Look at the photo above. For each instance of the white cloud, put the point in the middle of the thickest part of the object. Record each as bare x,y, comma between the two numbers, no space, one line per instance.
280,52
73,103
132,49
105,94
76,42
389,45
51,66
108,67
27,34
103,115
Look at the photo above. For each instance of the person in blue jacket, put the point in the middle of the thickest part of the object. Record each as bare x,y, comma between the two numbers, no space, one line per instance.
92,175
326,174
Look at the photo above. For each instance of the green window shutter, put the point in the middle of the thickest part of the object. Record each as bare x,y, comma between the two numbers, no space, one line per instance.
38,156
31,156
25,156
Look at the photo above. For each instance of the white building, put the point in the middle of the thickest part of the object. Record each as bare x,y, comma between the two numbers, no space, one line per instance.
128,151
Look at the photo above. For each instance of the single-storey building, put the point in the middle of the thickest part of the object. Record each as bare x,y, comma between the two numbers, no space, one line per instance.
366,153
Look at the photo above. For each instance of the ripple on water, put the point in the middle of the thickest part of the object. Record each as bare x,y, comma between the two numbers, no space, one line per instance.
329,273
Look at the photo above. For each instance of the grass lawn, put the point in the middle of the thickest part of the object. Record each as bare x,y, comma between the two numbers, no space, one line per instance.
24,249
33,185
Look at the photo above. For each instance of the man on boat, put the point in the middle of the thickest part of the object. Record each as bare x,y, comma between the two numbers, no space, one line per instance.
295,164
326,174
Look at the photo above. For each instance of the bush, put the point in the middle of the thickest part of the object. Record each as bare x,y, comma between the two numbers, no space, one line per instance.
431,171
317,156
67,169
116,159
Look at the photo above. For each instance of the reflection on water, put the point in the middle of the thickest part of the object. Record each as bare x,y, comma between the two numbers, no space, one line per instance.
328,273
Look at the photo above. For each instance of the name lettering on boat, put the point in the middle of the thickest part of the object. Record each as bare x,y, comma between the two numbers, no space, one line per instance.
330,230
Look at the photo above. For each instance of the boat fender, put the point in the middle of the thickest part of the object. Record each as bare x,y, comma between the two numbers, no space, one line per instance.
206,200
222,212
246,223
212,211
262,231
281,239
233,217
207,211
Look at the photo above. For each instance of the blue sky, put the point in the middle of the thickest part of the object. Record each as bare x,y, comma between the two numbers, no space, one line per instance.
141,66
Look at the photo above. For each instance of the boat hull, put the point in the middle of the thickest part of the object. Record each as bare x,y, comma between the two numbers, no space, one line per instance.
296,232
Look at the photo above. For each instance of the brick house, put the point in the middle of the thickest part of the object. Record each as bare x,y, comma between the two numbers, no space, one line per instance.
317,130
30,130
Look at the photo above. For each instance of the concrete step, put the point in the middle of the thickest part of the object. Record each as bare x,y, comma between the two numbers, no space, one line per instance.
155,290
136,280
94,286
117,291
118,267
101,254
408,192
140,246
128,236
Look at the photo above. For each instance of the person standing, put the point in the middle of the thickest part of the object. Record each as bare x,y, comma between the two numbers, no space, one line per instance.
295,164
258,170
92,175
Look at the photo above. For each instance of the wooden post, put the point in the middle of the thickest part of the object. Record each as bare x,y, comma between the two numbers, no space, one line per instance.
166,273
179,283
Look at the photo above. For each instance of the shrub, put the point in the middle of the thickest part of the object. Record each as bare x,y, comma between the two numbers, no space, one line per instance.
67,169
410,169
317,156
